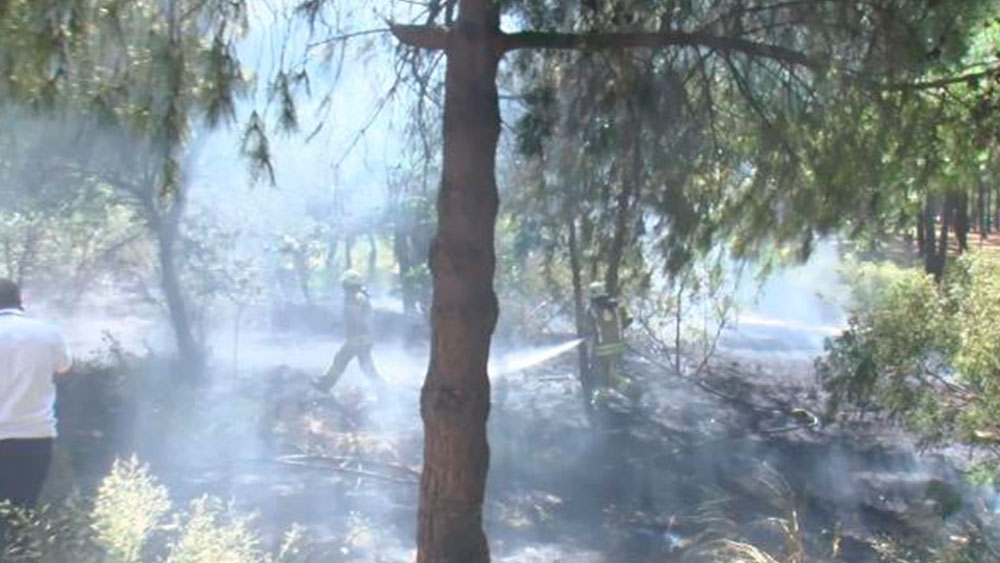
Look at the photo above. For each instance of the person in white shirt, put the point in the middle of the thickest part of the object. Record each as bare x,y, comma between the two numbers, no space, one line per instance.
31,353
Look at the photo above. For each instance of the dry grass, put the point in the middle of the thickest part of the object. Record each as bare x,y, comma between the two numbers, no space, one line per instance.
724,539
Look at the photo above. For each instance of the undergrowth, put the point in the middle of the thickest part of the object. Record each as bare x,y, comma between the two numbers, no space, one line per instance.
132,520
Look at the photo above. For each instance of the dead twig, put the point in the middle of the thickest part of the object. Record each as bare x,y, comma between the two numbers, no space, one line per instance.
352,418
341,464
813,422
693,379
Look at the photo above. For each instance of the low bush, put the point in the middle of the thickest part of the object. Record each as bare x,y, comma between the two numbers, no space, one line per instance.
924,354
131,520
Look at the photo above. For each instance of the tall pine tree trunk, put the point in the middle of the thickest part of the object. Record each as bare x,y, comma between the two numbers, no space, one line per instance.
580,314
961,202
929,250
624,203
401,248
995,211
187,347
988,223
921,234
455,398
941,257
981,210
987,203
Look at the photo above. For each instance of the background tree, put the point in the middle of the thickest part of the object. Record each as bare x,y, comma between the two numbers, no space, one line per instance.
410,213
923,354
67,242
147,72
778,59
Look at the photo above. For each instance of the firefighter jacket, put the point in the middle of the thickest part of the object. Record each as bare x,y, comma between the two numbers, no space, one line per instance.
608,322
358,318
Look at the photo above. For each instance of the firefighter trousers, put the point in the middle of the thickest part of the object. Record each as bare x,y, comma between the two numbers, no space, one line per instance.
349,351
606,371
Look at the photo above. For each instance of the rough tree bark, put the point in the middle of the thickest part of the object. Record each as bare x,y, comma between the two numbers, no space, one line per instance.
987,221
456,393
980,210
921,235
941,258
455,398
961,201
165,202
929,250
580,314
187,347
995,214
625,201
401,248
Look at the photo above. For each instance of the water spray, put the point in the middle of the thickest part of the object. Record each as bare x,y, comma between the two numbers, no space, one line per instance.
519,361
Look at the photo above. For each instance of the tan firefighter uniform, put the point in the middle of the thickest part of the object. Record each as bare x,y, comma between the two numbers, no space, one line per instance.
608,321
358,333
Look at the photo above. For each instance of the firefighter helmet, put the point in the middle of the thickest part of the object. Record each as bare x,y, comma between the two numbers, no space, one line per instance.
597,290
352,278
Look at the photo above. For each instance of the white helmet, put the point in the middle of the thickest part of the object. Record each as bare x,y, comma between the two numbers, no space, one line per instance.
352,277
597,289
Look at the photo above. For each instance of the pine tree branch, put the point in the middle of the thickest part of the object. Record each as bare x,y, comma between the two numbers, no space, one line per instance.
993,71
653,40
421,36
435,37
343,37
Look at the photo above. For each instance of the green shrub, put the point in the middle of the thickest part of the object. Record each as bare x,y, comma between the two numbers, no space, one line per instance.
130,520
130,505
215,533
52,534
924,354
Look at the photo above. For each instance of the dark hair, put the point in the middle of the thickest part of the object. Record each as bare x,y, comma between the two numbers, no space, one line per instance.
10,294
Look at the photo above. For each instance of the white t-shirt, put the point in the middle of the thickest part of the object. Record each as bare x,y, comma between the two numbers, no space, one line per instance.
31,353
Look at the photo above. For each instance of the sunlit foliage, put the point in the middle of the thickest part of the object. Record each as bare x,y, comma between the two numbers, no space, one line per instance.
926,355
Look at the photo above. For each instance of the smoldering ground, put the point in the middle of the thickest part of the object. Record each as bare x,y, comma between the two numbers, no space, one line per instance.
347,467
705,458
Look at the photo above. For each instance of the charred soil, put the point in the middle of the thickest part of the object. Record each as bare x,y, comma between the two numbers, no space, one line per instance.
701,459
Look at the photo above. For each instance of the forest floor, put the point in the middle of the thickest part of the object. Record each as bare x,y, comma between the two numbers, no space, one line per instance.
904,252
737,452
706,458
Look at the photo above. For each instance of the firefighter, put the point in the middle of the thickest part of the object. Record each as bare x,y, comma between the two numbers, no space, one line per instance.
358,333
608,321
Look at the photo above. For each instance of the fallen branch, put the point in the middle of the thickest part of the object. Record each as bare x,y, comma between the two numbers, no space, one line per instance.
340,463
814,421
693,379
350,417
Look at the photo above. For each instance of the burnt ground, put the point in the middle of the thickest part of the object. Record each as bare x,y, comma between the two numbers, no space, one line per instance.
727,455
701,459
733,449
